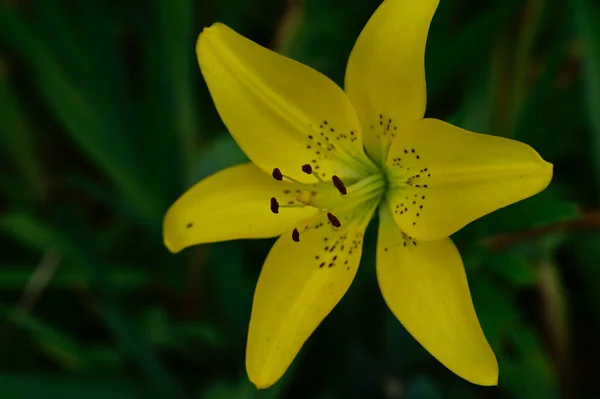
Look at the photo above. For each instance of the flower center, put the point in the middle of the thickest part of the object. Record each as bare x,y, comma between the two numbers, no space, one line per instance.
336,199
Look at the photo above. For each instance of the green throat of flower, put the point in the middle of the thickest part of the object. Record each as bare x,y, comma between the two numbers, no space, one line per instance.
340,202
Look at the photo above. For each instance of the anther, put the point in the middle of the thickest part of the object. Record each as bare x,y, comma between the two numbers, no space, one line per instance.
274,205
277,174
296,235
306,168
337,182
334,221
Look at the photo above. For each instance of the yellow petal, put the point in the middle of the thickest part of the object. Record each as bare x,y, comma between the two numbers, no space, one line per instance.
299,285
231,204
443,177
281,113
385,78
425,286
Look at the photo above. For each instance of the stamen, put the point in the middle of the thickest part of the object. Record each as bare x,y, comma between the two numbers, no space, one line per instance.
337,182
296,235
334,221
307,169
293,180
277,174
316,175
274,205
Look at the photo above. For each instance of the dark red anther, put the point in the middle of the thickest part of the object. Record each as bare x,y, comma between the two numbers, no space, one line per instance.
306,168
274,205
277,174
334,221
296,235
337,182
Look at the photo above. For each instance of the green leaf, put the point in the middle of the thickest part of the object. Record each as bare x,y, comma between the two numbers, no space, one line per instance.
552,106
17,137
177,40
587,20
513,267
69,275
233,287
422,387
223,152
525,367
449,54
61,386
57,345
91,120
78,248
31,232
323,40
586,251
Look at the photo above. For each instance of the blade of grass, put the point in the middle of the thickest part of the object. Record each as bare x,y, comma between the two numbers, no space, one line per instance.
467,49
177,45
76,246
67,387
57,345
587,21
17,137
96,129
121,278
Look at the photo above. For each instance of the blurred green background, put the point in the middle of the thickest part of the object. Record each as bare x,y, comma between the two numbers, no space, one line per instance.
105,120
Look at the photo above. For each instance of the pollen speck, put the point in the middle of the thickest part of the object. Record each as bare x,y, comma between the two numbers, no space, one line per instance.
334,220
339,184
274,205
277,174
306,168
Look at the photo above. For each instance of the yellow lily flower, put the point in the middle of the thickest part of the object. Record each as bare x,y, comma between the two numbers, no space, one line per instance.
323,161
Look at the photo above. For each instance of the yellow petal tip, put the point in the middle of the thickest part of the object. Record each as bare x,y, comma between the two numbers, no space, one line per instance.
170,233
205,34
488,373
261,381
170,246
261,385
488,381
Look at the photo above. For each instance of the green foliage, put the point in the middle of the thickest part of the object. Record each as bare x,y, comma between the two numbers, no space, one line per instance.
105,120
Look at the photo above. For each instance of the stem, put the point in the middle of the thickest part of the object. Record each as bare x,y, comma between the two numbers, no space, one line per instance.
588,220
